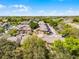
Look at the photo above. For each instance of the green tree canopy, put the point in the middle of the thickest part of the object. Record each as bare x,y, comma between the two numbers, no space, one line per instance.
13,32
33,25
6,48
70,46
2,29
35,48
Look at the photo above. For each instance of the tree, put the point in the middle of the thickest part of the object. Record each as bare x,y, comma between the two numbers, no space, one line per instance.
13,32
69,47
65,30
18,53
72,45
35,48
6,48
52,22
76,19
2,29
74,33
33,25
68,31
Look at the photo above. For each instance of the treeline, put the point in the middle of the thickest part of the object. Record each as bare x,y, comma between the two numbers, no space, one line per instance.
33,47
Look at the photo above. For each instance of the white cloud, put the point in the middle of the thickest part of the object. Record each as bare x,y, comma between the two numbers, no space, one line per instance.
24,10
41,12
46,13
2,6
17,10
20,8
69,12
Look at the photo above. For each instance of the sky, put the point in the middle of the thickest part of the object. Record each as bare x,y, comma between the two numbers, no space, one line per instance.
39,7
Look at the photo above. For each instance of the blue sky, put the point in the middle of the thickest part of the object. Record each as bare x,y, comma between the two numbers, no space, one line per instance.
39,7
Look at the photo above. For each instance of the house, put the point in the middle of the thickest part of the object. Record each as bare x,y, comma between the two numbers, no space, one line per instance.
51,38
39,33
12,39
24,29
42,26
6,25
20,37
13,27
17,38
